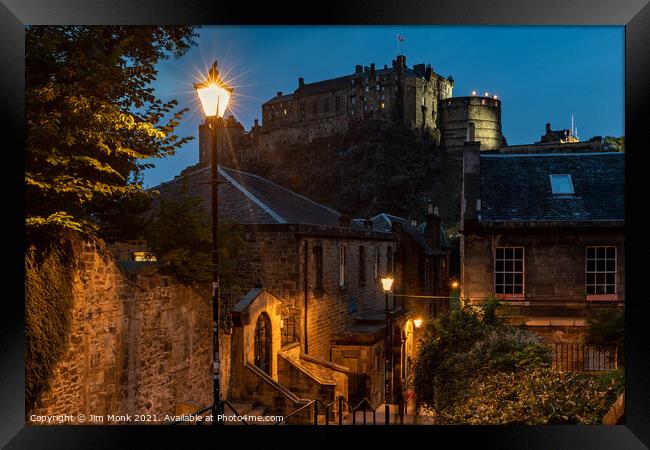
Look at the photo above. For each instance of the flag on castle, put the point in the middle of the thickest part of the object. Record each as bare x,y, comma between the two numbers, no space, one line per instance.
400,38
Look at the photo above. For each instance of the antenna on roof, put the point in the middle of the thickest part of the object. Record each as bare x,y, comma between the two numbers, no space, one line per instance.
572,133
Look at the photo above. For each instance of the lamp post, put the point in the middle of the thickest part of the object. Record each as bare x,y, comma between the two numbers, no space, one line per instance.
214,96
387,284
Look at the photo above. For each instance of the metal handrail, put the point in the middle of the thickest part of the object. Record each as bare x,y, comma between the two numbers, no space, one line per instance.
284,419
208,408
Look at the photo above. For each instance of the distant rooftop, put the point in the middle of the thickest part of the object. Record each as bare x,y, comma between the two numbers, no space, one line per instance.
517,187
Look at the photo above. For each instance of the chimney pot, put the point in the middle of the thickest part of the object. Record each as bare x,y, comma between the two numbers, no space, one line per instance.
358,68
279,94
301,82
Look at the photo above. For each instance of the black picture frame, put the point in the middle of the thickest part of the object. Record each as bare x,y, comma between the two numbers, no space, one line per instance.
633,14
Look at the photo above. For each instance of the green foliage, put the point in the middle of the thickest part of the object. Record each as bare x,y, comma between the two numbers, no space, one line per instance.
467,343
607,327
49,273
91,117
614,144
533,396
179,234
474,368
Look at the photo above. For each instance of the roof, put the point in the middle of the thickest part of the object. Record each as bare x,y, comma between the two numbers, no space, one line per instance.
250,199
516,187
384,222
319,87
281,204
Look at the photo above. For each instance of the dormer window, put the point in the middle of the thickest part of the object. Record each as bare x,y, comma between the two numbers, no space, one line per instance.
561,185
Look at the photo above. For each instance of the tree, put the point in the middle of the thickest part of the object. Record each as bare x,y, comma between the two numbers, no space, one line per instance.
91,117
179,234
614,144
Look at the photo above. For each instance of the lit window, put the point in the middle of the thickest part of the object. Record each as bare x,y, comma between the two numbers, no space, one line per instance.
143,256
509,270
601,270
561,184
366,88
382,105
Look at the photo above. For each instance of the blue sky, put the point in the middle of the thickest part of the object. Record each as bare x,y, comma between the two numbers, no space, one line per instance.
541,74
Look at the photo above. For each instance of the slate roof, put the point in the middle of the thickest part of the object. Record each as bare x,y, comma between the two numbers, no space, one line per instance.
253,199
285,205
384,222
516,187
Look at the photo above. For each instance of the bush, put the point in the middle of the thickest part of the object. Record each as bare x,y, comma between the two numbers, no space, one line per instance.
607,327
468,343
534,397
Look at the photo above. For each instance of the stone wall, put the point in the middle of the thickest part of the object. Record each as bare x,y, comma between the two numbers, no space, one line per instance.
139,344
555,303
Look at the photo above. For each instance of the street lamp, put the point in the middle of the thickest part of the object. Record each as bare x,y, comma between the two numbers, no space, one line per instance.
387,284
214,96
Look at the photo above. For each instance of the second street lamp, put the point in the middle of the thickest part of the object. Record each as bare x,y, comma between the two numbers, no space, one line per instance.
387,284
214,96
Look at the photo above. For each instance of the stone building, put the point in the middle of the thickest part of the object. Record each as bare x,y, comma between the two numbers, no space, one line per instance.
400,94
312,323
543,232
557,136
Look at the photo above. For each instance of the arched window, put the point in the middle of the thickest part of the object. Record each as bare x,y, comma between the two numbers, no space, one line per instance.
263,343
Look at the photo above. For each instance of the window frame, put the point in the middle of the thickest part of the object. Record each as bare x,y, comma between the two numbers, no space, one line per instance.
362,266
513,295
550,178
377,262
606,296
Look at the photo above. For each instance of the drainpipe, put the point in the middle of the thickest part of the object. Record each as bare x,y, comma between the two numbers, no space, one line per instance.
305,287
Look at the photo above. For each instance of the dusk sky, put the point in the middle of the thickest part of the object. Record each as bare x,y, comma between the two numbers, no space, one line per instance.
541,74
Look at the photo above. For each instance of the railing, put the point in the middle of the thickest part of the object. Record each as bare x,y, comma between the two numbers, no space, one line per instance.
364,405
209,408
583,357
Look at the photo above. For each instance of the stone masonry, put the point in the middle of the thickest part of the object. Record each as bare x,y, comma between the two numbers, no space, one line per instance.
139,344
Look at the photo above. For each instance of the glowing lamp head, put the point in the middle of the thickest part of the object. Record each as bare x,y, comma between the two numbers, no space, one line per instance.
494,97
486,95
454,284
213,93
387,283
417,323
473,92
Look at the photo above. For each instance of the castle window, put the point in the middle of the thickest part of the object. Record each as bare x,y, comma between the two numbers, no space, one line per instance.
366,89
377,87
302,110
383,105
314,107
354,100
337,103
285,112
326,105
383,96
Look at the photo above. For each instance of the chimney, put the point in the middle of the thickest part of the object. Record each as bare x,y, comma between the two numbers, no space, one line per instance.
470,208
366,69
257,123
279,94
432,233
358,69
344,220
368,224
548,128
301,82
401,61
385,66
372,68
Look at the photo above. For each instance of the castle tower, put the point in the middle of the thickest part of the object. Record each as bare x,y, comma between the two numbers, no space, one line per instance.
474,118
